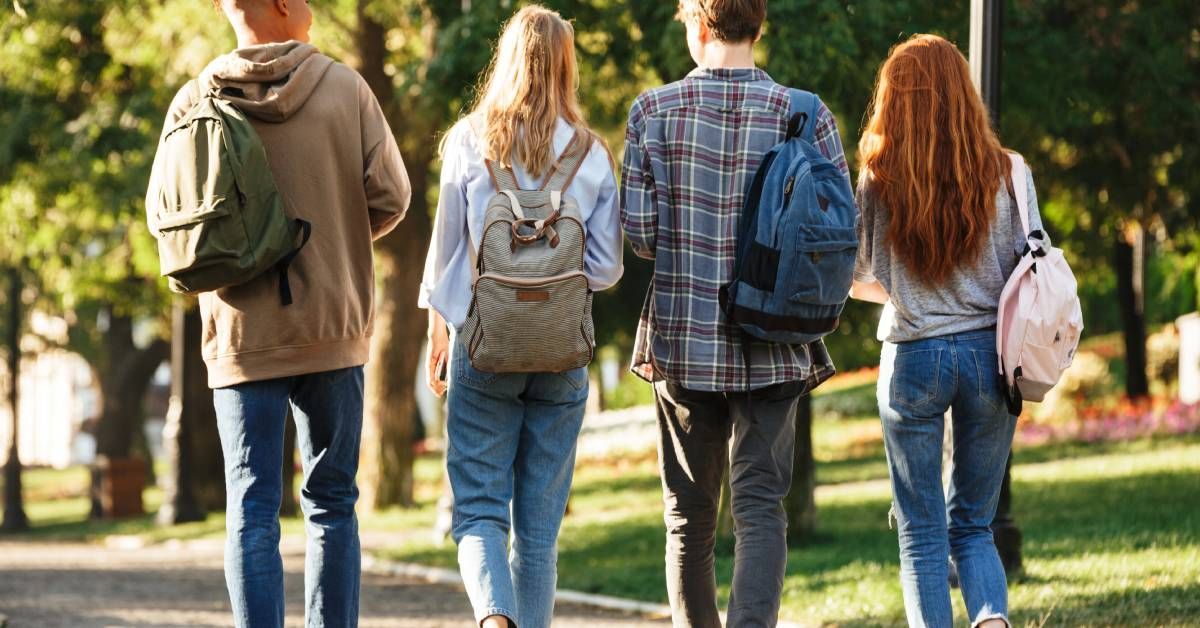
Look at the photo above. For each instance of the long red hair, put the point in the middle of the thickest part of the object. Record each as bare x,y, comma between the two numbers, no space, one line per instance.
931,158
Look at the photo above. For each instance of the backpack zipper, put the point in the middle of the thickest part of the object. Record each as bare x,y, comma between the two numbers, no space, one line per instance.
530,283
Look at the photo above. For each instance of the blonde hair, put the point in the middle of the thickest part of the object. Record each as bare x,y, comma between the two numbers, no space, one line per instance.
530,83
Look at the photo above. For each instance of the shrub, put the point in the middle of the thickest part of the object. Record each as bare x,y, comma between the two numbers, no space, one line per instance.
1162,356
1086,383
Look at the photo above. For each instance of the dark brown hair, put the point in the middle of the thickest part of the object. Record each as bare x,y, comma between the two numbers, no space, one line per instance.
932,158
731,21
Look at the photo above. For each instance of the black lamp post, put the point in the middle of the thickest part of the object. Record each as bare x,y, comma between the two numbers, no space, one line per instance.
987,31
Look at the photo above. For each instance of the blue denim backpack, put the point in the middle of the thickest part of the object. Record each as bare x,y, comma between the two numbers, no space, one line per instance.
797,240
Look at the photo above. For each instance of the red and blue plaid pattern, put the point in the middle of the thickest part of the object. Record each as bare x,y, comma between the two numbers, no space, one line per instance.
691,148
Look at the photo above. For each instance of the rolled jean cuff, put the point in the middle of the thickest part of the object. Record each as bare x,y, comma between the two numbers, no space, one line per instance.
495,610
1002,616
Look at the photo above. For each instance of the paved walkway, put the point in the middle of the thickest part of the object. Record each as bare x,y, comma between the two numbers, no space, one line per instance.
44,585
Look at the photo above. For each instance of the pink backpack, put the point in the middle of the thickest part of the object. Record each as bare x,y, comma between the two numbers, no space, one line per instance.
1040,319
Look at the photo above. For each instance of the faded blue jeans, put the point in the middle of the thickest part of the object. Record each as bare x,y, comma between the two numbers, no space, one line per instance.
918,382
328,409
511,458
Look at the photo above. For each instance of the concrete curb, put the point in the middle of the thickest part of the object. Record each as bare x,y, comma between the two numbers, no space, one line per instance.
437,575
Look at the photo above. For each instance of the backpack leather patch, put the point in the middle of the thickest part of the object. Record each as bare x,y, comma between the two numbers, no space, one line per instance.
532,296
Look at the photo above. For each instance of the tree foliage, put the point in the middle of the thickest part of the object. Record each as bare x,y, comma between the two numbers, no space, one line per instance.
1101,96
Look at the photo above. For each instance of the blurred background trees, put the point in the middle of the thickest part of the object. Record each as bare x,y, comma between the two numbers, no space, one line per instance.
1100,96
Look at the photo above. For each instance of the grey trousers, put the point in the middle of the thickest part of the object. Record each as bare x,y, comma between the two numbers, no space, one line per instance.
701,434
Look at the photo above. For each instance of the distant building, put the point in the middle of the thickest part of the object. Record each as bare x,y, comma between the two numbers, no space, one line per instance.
57,397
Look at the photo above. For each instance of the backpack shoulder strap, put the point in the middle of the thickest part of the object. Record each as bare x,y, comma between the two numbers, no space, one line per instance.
802,114
1020,190
502,176
563,172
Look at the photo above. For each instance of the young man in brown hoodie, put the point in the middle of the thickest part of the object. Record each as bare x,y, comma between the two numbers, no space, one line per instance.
337,166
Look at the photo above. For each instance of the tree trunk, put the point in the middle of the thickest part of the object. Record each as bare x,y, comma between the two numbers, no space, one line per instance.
195,481
207,462
1130,263
179,500
124,375
801,503
14,504
123,381
390,404
388,426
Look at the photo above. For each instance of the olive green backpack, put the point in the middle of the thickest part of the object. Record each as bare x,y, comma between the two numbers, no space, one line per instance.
213,205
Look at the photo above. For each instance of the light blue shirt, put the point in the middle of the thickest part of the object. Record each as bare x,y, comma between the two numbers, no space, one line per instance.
466,188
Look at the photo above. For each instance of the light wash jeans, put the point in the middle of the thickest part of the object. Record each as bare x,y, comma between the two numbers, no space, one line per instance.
918,382
511,458
328,409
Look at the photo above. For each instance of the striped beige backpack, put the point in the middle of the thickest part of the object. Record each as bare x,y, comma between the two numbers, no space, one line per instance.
532,309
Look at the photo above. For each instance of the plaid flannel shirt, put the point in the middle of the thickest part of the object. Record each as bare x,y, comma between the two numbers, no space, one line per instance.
691,149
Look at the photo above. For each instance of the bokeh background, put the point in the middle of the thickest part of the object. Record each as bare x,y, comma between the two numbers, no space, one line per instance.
116,436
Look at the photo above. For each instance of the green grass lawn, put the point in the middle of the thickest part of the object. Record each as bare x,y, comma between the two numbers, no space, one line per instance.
1112,531
1112,537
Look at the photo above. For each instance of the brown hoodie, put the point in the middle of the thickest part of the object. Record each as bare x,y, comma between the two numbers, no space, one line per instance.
336,165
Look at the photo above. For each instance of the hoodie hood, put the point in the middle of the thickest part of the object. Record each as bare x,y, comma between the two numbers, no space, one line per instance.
269,82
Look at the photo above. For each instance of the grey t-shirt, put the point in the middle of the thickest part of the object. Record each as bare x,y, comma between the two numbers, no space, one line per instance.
967,301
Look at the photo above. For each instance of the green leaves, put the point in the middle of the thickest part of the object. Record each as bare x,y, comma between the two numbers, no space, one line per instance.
1100,95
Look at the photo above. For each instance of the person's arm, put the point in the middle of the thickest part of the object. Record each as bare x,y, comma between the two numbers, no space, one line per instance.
865,286
385,179
449,230
828,140
639,209
603,259
871,292
439,353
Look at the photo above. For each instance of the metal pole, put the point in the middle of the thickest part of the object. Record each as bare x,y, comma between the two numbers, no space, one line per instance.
987,33
14,507
987,22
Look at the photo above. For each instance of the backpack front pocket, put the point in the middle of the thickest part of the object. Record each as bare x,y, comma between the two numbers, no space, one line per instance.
821,267
192,242
530,325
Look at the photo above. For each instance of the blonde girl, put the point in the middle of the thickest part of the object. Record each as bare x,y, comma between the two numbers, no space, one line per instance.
511,437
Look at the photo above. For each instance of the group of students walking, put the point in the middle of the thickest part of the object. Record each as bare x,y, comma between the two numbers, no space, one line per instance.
938,228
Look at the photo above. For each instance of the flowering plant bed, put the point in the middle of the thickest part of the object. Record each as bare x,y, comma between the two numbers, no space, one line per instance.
1127,421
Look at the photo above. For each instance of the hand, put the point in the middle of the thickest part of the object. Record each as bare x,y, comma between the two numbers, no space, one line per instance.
871,292
439,353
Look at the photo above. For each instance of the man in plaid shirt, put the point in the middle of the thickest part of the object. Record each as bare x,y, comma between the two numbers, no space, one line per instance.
691,149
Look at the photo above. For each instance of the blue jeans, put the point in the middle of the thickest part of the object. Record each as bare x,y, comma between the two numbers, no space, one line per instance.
918,382
511,457
328,409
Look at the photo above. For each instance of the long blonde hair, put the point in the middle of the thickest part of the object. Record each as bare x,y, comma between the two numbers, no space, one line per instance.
934,160
531,82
